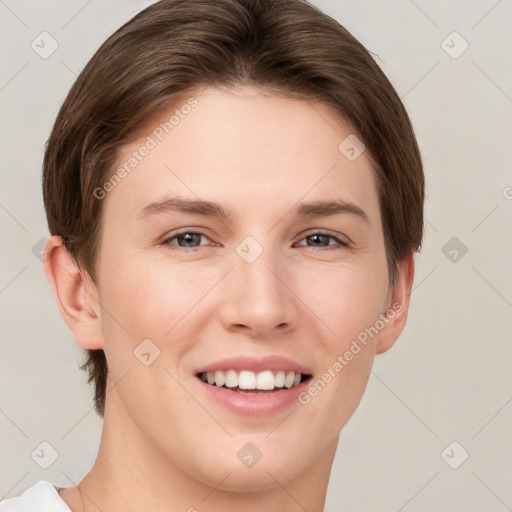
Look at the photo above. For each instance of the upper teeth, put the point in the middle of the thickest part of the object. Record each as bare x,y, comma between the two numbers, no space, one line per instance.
246,379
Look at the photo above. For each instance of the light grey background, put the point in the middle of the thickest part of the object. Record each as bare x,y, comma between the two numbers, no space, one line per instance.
449,376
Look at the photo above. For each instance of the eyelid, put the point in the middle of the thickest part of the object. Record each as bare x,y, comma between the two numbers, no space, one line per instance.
343,240
174,234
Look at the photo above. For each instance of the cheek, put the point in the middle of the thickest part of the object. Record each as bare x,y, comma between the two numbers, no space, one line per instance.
148,313
143,294
335,392
155,301
349,302
346,300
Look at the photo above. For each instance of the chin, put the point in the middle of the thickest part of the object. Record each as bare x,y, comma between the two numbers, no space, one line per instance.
234,471
256,479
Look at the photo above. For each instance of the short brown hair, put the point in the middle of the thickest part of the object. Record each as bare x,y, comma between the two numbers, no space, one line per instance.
287,46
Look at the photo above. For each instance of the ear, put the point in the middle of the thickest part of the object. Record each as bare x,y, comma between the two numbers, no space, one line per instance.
75,293
397,305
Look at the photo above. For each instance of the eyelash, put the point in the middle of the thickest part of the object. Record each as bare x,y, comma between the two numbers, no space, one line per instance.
167,242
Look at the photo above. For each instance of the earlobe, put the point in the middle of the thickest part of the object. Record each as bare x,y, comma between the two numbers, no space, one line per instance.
398,305
75,294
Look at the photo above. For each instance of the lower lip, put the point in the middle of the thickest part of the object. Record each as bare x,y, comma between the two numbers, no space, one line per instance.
256,404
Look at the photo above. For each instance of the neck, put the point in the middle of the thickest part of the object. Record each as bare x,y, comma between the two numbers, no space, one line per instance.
132,474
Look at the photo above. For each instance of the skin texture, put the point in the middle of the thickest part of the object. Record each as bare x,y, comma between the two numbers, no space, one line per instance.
165,445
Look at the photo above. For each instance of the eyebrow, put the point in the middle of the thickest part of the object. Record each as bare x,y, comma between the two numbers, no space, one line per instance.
310,209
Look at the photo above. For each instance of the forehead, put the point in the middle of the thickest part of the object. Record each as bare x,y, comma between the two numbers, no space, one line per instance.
242,147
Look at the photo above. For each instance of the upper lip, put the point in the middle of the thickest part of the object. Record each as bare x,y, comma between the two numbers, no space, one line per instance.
256,364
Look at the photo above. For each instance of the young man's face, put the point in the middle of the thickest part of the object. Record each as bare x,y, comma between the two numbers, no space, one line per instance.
273,278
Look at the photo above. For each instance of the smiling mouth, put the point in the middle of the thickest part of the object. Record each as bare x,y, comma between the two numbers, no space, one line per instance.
254,383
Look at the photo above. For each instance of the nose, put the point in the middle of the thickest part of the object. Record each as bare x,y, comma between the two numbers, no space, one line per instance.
258,299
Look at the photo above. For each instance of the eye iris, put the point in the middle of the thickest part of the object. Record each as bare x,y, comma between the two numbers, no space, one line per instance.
190,238
318,238
194,239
